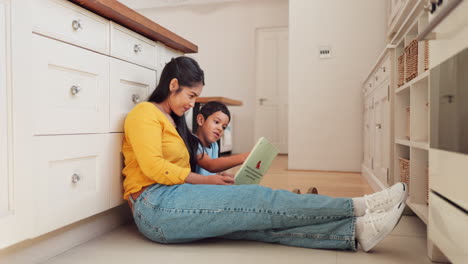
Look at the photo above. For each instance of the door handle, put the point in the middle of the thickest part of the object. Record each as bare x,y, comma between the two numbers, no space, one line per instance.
261,100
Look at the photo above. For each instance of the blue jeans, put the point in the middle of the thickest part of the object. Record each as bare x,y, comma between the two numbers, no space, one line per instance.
187,212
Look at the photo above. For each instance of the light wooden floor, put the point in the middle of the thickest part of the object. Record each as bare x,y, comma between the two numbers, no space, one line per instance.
335,184
406,244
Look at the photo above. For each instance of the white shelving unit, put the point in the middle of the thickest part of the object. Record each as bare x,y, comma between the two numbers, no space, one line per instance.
411,112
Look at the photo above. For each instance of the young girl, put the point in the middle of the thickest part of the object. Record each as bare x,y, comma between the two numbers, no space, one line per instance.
172,204
212,120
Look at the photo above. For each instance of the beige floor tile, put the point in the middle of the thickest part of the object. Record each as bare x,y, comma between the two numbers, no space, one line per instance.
410,226
392,250
406,244
125,245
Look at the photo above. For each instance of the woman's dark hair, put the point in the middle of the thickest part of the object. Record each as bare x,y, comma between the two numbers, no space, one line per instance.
188,73
213,107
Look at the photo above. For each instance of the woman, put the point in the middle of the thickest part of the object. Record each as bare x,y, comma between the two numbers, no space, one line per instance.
172,204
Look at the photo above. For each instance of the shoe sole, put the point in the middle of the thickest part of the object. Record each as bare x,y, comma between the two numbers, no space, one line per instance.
387,230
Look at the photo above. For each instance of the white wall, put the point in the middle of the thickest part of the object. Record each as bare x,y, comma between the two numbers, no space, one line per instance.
325,120
225,35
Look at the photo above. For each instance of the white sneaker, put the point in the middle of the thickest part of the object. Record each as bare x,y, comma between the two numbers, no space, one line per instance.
377,225
388,198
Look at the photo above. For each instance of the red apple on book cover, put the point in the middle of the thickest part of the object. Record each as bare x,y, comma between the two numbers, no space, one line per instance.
258,165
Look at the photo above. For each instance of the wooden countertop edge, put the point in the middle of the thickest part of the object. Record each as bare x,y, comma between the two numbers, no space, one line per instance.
224,100
129,18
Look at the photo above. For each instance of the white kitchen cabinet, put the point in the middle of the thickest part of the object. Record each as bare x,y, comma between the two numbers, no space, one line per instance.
411,126
398,11
378,129
132,47
72,179
165,54
66,84
16,216
382,140
67,22
131,84
71,88
115,171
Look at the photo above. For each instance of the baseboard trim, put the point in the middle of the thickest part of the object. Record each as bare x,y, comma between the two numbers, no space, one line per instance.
375,184
44,247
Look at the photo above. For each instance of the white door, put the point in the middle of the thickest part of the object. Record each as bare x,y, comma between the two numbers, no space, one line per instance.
271,110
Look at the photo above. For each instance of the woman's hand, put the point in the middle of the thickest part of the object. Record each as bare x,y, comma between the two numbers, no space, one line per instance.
195,178
220,179
227,174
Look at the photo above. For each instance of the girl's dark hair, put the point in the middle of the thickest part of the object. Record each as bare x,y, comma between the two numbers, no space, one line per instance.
188,73
213,107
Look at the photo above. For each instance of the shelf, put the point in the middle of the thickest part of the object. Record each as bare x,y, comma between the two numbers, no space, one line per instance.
224,100
403,142
419,78
382,56
421,210
449,7
410,12
420,145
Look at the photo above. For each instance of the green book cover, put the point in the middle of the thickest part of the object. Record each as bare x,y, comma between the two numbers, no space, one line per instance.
257,163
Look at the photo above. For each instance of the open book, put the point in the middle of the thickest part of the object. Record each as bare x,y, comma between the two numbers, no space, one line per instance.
257,163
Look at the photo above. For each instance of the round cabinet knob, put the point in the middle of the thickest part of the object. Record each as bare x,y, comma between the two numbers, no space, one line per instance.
75,90
430,7
379,126
137,48
136,98
76,24
76,178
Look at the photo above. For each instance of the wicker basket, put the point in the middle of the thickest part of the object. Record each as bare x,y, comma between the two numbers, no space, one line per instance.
411,60
426,55
405,171
408,122
427,185
401,70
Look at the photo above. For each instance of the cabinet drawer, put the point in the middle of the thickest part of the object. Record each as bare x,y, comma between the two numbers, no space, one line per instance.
130,84
369,85
71,88
160,56
130,46
70,23
384,69
71,179
172,53
448,228
116,166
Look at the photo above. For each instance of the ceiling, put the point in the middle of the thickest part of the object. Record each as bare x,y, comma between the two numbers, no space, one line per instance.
140,4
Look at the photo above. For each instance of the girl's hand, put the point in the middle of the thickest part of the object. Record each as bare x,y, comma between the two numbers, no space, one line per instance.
227,174
220,179
244,156
195,178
